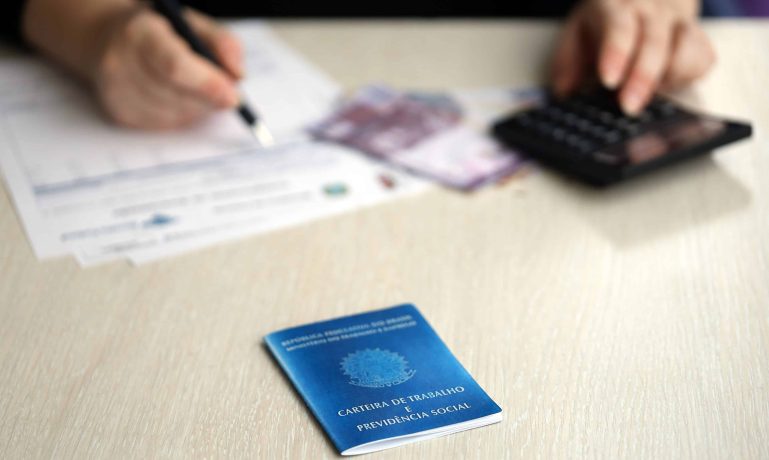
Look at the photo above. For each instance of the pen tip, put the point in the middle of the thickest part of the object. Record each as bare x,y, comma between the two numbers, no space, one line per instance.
262,134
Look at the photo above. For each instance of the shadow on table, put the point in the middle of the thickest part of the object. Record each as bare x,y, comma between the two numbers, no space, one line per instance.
666,202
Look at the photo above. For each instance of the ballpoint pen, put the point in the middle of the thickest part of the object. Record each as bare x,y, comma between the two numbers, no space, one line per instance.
172,11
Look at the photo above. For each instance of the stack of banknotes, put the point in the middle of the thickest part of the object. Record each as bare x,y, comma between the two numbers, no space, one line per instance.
439,135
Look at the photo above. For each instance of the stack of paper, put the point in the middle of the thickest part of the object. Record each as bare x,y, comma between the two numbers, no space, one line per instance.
85,187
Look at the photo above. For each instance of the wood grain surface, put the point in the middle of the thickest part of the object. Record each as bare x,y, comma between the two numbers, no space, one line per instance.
629,323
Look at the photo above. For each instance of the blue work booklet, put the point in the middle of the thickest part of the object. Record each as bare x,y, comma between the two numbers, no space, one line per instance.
381,379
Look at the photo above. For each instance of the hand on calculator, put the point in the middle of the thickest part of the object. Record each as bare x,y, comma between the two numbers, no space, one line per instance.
634,46
588,136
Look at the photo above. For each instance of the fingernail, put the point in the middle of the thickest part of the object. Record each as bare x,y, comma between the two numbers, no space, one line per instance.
611,77
632,102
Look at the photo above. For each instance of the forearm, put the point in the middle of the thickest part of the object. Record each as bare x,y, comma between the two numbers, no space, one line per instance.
72,32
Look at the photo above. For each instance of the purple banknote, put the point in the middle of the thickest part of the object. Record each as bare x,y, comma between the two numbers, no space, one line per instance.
441,136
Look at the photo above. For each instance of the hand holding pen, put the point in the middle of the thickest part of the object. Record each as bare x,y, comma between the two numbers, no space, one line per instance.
172,11
147,76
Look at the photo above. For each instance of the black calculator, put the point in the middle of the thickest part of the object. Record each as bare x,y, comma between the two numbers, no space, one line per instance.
588,136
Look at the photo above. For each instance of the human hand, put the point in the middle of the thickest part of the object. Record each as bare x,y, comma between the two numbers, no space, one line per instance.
147,77
634,46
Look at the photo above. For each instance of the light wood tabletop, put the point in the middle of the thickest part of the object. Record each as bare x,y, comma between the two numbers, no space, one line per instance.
626,323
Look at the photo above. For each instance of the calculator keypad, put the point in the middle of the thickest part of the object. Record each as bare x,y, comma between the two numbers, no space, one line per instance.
588,123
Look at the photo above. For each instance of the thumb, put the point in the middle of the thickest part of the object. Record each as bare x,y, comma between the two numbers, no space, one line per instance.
225,46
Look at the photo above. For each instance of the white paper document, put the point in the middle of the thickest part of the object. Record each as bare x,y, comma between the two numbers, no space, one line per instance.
85,187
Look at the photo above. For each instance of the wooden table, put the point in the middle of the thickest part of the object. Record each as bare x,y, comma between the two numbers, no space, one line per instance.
632,322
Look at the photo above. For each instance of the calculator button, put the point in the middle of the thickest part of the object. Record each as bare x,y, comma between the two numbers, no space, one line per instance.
544,129
523,120
585,146
583,125
661,109
606,117
572,140
554,113
646,116
610,137
559,134
628,127
598,131
592,112
570,119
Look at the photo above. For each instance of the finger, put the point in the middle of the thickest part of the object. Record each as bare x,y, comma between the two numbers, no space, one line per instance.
172,60
160,94
225,45
618,40
139,114
569,61
649,65
691,58
138,102
130,109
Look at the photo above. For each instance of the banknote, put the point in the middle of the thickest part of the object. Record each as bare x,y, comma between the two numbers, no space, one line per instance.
439,135
382,122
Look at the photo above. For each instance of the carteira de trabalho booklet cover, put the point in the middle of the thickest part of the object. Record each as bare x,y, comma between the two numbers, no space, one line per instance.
381,379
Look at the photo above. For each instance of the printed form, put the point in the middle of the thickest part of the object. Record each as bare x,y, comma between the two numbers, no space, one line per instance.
85,187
